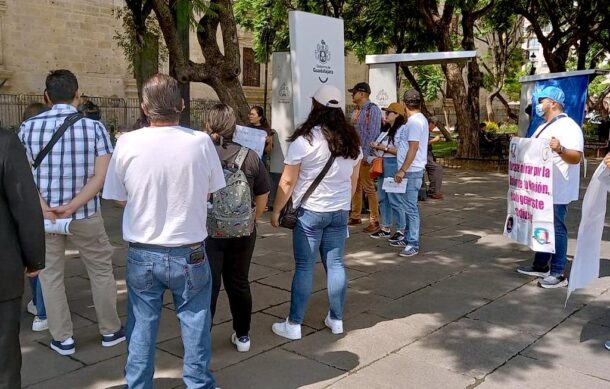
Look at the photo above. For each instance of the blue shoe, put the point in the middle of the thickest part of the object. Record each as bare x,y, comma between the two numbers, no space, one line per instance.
114,339
64,348
409,251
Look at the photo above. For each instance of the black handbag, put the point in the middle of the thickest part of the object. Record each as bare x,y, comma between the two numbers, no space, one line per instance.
288,214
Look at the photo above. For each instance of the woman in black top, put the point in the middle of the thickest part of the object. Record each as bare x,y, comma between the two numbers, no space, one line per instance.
230,257
258,120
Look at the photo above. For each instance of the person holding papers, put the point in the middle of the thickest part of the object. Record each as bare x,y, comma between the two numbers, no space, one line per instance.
566,142
385,147
411,156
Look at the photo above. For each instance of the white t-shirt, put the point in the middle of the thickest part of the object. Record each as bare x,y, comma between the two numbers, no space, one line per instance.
335,191
165,175
566,177
416,129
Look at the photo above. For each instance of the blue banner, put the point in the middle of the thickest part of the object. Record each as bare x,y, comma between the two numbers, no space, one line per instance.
575,89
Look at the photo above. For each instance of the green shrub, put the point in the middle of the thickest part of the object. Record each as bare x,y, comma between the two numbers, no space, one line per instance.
508,128
492,126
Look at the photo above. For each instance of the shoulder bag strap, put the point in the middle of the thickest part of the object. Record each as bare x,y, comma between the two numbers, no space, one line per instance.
318,179
68,121
241,157
551,122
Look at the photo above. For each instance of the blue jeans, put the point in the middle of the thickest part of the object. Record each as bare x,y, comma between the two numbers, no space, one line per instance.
559,259
387,212
37,298
406,203
323,232
151,270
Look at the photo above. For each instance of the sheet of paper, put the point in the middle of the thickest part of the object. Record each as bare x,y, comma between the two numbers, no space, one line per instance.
250,137
61,226
391,186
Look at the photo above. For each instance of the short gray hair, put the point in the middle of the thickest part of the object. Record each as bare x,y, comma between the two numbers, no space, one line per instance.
220,119
161,98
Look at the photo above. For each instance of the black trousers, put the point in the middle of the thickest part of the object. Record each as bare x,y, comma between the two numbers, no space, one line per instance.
230,259
10,354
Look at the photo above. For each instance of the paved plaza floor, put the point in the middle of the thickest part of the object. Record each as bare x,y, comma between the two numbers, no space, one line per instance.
455,316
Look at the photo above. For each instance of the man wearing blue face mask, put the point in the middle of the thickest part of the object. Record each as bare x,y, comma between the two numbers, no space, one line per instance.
567,143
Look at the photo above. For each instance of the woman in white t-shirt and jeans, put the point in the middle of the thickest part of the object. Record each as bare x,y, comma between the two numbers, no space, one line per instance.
322,220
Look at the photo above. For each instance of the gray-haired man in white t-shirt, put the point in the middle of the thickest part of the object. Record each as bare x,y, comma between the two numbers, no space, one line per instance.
163,174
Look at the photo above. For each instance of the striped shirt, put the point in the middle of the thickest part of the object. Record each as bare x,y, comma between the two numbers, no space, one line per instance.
70,164
367,121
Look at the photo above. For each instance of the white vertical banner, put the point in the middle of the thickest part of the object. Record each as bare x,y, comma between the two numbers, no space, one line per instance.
282,113
382,79
530,194
317,52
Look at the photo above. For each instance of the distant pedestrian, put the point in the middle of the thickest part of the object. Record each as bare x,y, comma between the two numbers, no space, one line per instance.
567,144
69,179
258,120
325,140
22,243
230,255
433,169
367,120
163,175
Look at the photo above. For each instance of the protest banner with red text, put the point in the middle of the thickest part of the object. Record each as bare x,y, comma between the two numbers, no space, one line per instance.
530,194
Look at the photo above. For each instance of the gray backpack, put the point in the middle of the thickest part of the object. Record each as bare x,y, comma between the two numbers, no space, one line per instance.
232,214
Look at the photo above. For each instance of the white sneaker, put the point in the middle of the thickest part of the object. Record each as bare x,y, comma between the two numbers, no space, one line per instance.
287,330
242,343
336,326
32,308
39,324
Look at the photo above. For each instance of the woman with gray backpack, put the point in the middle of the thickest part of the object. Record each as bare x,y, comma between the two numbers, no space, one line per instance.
232,214
320,175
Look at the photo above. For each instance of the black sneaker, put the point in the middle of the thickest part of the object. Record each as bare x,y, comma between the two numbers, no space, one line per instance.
381,234
64,348
533,271
114,339
396,237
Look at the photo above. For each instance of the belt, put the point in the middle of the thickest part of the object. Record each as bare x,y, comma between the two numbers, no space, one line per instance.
192,246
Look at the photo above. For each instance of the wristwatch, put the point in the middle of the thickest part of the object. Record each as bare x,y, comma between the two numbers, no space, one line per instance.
386,149
561,150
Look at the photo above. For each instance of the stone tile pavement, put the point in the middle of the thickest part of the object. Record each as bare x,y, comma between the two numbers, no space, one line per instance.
455,316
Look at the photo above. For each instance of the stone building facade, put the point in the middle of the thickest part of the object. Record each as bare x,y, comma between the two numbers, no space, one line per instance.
39,35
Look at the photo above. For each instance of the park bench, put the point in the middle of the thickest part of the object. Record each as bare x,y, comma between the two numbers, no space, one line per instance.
597,148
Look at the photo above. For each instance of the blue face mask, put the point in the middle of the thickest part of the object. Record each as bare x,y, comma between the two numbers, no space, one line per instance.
539,110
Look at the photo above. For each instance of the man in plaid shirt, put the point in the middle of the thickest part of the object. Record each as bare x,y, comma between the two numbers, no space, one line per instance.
69,180
367,120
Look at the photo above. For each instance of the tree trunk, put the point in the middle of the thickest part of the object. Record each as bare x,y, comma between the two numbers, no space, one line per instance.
489,106
509,112
146,62
221,69
424,108
467,128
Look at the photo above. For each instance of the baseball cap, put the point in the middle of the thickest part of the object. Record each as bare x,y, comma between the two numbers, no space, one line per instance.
396,108
551,92
411,97
360,87
328,96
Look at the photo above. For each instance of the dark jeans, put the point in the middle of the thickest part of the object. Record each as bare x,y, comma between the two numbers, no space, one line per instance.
559,259
10,354
230,258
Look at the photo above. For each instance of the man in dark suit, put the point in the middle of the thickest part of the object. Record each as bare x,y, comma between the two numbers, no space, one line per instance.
22,246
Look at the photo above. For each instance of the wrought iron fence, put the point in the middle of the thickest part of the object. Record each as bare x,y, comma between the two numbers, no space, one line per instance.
117,113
